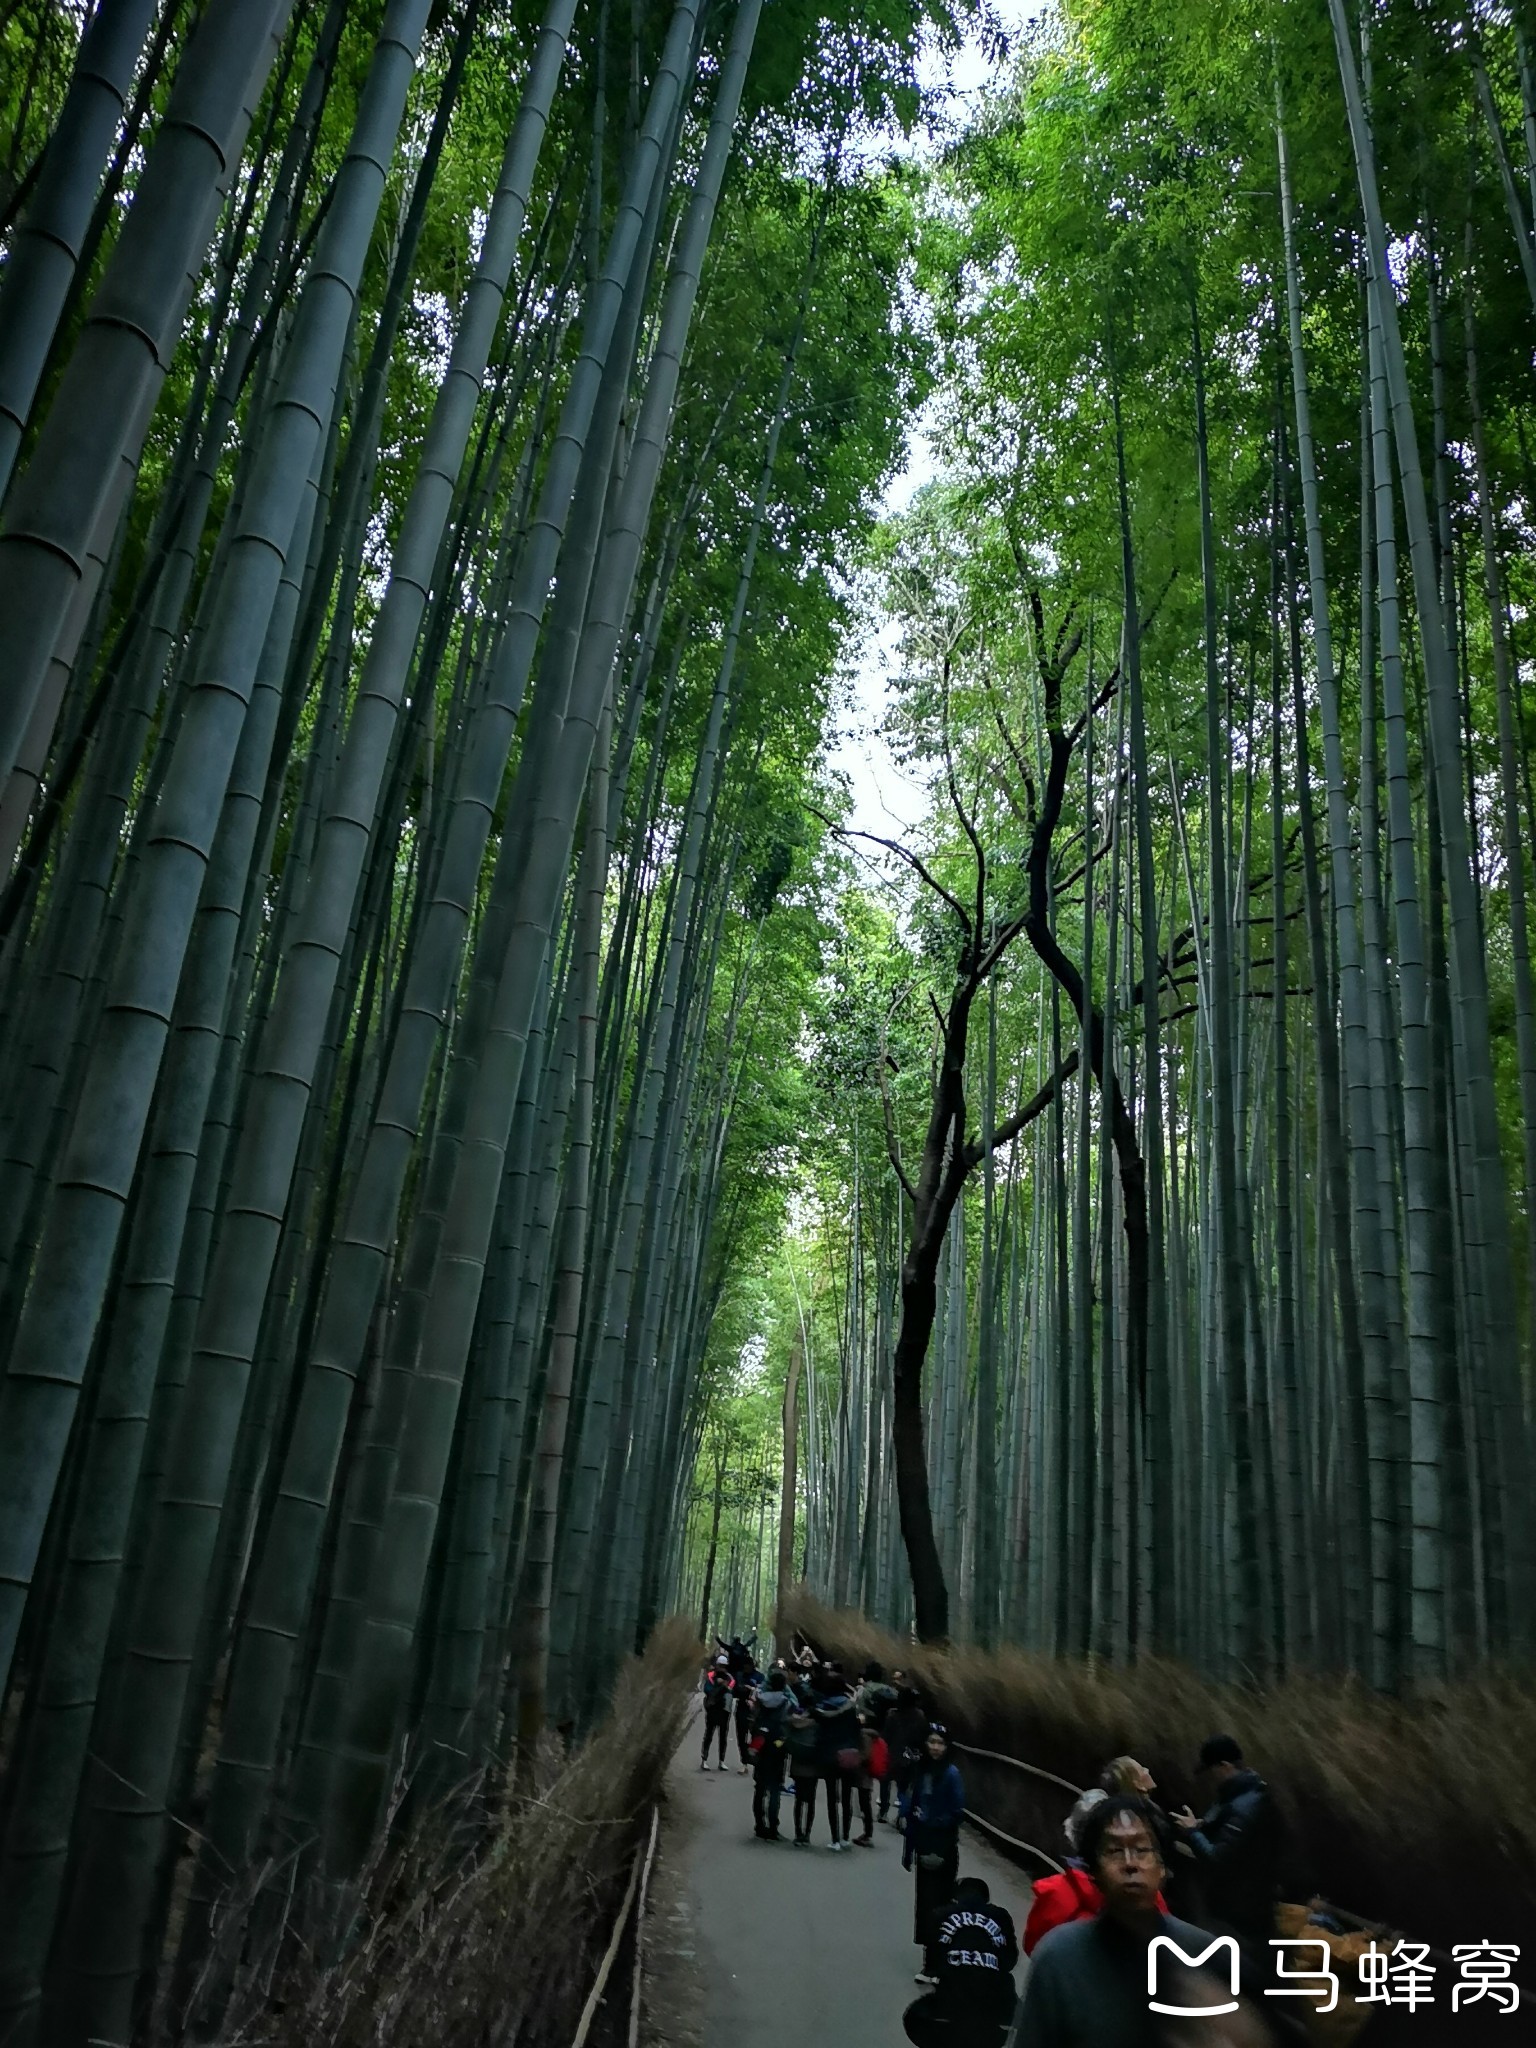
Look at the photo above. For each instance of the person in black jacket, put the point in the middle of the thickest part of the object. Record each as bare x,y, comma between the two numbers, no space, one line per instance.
905,1731
771,1706
839,1747
746,1692
718,1688
977,1951
1237,1845
738,1654
935,1808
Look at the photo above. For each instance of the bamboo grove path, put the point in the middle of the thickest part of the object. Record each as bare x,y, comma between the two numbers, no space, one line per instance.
762,1938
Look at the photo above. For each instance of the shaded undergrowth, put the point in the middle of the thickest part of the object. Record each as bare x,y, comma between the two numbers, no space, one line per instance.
491,1936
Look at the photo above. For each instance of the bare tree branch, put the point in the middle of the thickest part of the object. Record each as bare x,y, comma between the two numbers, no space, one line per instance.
1010,1128
904,853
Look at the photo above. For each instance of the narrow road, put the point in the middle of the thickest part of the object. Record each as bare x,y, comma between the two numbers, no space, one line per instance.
766,1939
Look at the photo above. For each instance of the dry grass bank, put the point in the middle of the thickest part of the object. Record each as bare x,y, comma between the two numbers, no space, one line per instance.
1419,1813
497,1944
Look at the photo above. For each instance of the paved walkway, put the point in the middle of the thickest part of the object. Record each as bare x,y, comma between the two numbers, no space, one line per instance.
776,1938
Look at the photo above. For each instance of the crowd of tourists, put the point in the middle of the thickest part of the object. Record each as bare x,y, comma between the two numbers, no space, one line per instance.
1134,1870
868,1749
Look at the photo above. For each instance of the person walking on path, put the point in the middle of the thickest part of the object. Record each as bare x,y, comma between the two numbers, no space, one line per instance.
874,1700
840,1749
1237,1845
900,1684
932,1845
770,1733
803,1738
746,1683
972,2004
906,1730
718,1687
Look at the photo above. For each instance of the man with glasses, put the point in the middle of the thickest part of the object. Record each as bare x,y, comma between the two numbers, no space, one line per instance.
1089,1982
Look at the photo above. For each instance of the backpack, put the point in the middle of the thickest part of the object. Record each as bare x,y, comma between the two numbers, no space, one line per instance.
771,1722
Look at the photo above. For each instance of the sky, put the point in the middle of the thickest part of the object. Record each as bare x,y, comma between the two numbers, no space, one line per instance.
887,801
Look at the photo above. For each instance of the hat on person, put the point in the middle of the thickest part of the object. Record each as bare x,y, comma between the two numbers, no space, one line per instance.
722,1658
1219,1749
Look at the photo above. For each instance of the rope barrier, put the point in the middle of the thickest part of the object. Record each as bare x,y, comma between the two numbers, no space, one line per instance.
610,1955
1013,1841
1034,1770
645,1885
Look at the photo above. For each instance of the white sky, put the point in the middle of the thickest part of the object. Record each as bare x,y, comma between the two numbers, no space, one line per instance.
886,800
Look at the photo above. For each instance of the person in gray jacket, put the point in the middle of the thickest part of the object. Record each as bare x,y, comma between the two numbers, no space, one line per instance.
1088,1984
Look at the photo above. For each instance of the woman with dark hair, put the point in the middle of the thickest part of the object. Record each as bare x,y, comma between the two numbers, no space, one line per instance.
840,1748
804,1758
935,1805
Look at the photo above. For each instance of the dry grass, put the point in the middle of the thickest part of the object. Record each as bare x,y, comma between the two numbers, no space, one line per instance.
498,1943
1418,1813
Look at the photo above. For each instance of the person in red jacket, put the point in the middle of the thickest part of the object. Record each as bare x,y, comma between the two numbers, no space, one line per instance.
1064,1896
1069,1894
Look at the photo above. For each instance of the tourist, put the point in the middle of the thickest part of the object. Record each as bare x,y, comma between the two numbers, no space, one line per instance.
804,1747
1072,1826
840,1749
1072,1892
770,1734
900,1683
876,1697
1237,1845
874,1700
906,1728
1087,1984
738,1654
934,1807
718,1687
973,2002
1125,1775
746,1683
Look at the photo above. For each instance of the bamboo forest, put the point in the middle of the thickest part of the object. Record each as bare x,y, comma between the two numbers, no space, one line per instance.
767,827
